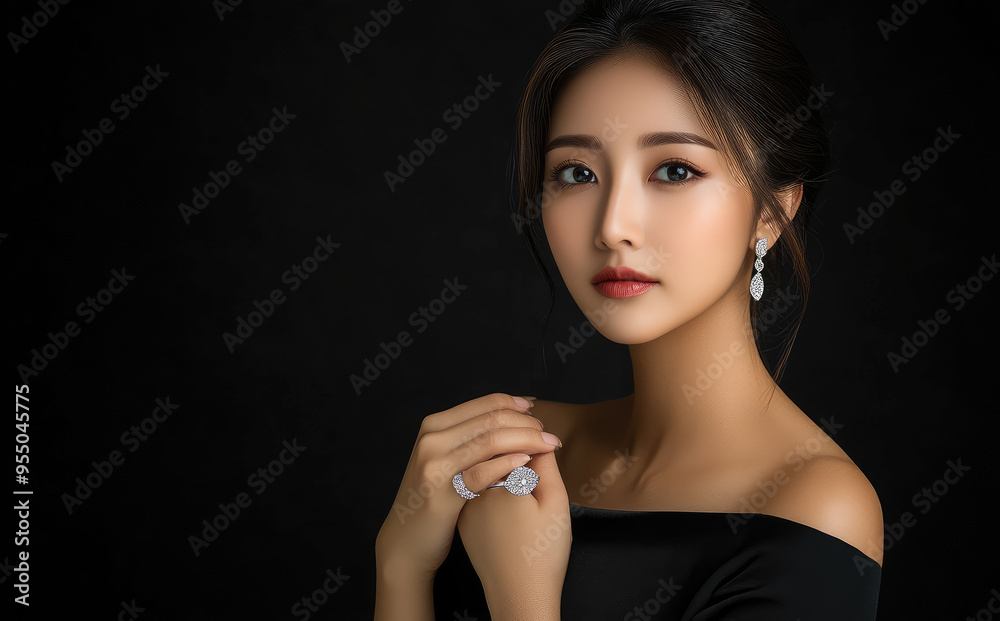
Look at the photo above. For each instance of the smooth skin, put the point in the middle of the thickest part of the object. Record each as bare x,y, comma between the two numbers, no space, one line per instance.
688,446
484,438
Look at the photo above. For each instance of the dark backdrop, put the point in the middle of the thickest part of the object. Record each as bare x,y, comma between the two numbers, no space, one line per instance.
119,536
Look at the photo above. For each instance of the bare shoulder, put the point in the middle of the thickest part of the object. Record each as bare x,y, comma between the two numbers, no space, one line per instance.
831,494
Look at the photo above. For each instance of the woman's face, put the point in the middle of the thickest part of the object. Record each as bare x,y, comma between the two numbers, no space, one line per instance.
669,208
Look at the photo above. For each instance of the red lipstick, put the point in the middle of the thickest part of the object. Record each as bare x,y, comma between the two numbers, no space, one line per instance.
622,282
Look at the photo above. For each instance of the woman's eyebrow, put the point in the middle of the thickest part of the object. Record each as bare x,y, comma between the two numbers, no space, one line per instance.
647,140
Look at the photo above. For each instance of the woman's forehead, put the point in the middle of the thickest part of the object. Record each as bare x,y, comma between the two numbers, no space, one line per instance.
630,93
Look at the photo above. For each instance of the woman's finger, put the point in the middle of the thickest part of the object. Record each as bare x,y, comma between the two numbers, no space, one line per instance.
468,430
489,444
550,491
479,477
472,408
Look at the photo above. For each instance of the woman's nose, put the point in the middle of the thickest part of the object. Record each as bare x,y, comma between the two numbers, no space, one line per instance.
622,217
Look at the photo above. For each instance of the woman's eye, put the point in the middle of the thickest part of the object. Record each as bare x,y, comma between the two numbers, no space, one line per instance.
671,173
675,172
576,174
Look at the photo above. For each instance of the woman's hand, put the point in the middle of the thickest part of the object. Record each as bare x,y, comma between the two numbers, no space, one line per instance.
519,545
485,438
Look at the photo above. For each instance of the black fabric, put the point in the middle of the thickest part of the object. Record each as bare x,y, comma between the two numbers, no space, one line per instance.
689,566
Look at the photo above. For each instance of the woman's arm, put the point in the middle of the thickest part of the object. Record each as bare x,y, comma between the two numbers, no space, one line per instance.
525,604
402,593
412,544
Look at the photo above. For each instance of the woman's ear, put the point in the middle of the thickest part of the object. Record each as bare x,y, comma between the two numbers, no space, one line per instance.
771,229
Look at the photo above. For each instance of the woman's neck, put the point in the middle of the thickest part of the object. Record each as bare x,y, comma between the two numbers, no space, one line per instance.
699,388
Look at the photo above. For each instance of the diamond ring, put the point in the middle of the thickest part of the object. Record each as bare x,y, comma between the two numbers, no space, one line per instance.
519,482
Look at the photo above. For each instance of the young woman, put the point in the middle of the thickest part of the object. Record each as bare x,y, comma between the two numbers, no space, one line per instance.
669,152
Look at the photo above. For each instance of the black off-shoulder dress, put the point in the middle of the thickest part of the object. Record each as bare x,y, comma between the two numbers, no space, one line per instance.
689,566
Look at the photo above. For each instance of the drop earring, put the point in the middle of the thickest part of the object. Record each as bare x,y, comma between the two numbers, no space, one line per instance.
757,283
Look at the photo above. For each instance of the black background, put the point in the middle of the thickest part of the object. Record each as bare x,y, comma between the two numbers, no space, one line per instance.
323,176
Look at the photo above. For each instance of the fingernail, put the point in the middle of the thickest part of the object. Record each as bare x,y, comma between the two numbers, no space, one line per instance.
531,398
522,403
551,439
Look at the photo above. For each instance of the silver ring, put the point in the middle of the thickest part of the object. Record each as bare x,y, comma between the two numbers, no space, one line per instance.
519,482
460,487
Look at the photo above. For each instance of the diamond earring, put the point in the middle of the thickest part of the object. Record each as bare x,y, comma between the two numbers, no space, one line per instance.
757,284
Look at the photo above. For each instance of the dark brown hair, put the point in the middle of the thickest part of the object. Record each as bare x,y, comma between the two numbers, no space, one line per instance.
753,91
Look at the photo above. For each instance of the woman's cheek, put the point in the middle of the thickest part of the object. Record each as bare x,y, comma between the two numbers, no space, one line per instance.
565,234
707,239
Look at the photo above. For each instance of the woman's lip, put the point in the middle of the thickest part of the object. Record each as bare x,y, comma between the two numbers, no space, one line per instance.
620,273
623,288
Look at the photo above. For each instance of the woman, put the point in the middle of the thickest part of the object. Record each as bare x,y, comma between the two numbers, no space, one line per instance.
664,149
